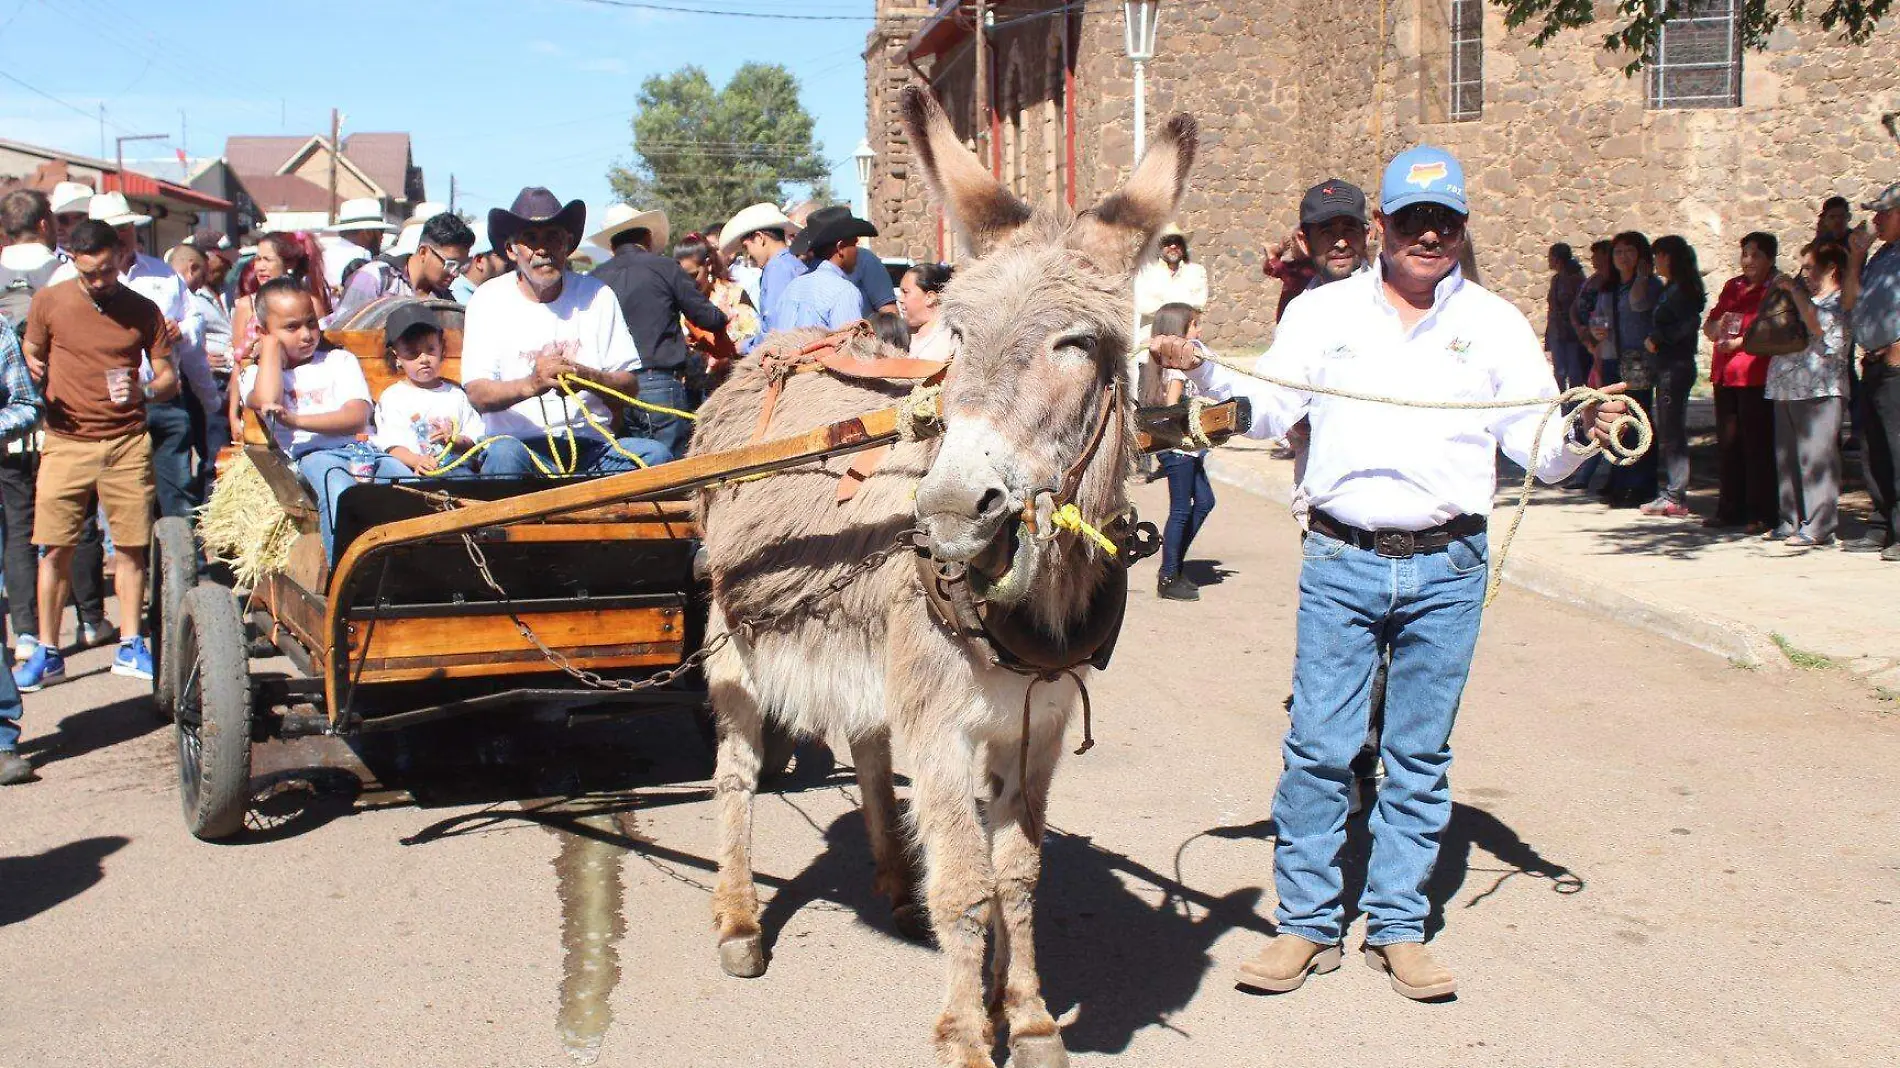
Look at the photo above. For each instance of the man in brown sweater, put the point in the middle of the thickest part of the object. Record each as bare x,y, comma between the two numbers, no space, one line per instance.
85,343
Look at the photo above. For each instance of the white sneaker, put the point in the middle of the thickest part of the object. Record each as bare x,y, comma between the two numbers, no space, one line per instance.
23,647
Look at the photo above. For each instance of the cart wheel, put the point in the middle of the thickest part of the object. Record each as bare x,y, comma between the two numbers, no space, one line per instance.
174,573
214,714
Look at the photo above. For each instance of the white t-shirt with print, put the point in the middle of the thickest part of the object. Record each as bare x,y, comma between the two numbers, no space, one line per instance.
502,327
407,414
325,383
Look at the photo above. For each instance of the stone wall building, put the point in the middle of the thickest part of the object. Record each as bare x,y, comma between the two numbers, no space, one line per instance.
1558,143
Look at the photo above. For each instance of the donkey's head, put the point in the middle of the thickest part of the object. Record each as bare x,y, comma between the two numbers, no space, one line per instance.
1042,318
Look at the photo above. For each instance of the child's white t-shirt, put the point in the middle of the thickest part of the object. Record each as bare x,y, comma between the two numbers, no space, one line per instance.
407,413
329,380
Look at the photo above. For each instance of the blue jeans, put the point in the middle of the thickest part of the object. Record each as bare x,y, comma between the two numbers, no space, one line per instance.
466,469
176,476
669,390
1190,499
328,473
511,456
1353,603
10,711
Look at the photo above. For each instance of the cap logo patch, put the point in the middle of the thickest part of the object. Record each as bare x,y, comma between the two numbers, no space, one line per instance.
1424,174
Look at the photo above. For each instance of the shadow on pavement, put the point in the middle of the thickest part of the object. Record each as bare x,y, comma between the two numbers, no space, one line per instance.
97,728
1474,827
34,884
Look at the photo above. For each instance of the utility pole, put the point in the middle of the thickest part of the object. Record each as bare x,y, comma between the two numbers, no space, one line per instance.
451,192
336,149
982,94
102,131
120,144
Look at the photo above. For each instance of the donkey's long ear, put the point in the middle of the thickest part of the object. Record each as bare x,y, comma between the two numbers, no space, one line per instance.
1114,232
976,201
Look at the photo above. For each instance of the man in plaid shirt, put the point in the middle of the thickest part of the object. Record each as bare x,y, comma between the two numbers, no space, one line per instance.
19,414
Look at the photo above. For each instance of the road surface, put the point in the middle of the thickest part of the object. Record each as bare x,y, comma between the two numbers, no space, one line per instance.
1656,858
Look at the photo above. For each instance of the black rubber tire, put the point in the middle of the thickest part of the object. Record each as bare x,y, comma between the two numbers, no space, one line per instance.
213,723
174,573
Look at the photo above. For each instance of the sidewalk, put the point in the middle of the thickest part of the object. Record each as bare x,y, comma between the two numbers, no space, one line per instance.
1717,590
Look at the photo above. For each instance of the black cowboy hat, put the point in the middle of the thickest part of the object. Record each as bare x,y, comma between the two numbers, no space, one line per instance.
828,226
532,206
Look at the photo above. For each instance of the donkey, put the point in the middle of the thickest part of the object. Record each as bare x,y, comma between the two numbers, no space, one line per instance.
1042,320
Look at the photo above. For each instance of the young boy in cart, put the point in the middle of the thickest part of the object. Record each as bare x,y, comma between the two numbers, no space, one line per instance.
315,402
424,420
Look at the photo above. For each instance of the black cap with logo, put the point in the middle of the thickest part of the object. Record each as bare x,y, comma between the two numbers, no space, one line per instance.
1331,199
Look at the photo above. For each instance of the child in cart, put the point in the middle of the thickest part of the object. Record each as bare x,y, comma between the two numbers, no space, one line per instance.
315,402
425,421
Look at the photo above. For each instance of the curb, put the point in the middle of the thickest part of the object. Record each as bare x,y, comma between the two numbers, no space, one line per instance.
1740,644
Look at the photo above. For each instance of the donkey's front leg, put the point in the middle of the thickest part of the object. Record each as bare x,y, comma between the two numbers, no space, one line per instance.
1016,817
896,877
959,887
735,781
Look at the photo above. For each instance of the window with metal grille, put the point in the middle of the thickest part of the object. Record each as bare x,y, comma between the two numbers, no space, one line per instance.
1467,60
1697,59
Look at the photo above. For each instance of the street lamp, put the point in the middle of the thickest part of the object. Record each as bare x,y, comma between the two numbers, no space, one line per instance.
864,156
1138,39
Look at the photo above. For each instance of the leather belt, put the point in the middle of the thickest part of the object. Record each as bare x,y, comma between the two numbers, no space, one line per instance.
1398,544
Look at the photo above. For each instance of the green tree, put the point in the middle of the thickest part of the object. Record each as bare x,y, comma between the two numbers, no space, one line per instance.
1641,21
704,153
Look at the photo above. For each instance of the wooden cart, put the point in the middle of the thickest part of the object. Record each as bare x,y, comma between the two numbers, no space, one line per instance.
452,597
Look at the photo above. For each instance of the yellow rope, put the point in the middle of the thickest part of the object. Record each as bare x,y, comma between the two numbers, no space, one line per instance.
1069,518
568,384
568,381
1635,420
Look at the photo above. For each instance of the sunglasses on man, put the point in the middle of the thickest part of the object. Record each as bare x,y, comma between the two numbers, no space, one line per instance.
1415,219
453,266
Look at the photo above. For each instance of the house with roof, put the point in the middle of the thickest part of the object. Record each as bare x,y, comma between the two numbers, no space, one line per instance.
180,196
288,178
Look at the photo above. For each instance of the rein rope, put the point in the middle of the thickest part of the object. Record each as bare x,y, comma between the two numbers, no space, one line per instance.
1633,421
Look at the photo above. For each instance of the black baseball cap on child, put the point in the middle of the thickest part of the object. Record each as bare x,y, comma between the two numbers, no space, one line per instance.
408,319
1331,199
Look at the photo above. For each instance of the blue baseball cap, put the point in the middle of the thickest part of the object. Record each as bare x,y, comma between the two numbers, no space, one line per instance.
1423,175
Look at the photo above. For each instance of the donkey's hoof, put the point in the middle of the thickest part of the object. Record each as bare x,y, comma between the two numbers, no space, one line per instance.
1038,1051
913,922
743,956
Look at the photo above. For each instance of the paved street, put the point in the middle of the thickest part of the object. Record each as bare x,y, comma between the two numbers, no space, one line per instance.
1656,858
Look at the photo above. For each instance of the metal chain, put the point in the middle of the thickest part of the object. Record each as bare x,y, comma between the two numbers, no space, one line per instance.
905,540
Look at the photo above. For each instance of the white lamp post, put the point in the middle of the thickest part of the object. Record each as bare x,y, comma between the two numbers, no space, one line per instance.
1138,39
864,156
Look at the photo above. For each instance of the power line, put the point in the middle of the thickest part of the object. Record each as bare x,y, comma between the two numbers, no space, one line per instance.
779,16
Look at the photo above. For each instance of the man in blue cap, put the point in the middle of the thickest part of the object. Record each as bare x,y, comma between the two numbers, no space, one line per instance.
1395,560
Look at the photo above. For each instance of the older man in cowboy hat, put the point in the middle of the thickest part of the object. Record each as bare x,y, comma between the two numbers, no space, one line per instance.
824,296
654,292
529,334
762,232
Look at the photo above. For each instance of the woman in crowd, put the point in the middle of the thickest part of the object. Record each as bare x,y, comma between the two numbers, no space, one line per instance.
920,298
1744,420
701,259
1672,345
1809,392
1588,320
1568,360
1627,306
1190,495
279,255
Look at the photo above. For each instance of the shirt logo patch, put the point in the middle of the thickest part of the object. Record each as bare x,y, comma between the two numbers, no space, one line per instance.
1424,174
1337,352
1458,349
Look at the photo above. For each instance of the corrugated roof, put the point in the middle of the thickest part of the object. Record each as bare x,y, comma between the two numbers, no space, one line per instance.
287,192
260,155
382,156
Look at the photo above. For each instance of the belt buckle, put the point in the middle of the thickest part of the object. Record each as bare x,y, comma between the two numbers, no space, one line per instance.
1395,544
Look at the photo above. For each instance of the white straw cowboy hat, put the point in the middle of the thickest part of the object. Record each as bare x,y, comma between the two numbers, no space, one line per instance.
363,213
750,221
68,197
624,217
410,239
112,209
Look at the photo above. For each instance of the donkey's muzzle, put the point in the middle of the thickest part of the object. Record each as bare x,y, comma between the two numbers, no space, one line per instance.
961,517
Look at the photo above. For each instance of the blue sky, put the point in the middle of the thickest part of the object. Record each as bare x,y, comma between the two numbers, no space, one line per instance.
503,93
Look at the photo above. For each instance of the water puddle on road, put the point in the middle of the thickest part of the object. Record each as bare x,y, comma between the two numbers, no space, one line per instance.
593,893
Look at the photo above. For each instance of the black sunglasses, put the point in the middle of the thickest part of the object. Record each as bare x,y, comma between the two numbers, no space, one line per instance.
1414,219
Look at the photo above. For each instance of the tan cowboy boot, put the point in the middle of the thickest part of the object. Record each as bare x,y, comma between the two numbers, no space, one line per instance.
1286,962
1413,971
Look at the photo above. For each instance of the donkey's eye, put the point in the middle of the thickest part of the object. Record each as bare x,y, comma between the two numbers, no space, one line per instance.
1078,345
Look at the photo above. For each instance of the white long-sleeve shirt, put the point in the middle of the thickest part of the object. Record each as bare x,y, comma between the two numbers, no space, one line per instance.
1379,466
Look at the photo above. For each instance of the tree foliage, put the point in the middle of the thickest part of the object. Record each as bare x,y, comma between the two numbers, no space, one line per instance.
703,153
1640,22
